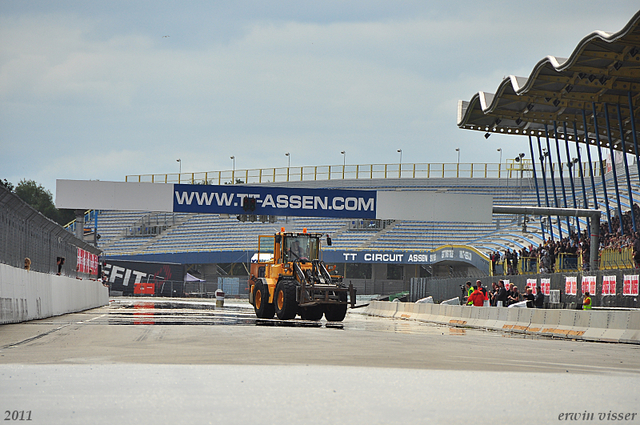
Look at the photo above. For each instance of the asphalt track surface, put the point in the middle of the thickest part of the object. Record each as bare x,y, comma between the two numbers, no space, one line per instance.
155,361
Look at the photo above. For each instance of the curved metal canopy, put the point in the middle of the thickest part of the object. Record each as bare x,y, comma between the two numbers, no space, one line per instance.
601,76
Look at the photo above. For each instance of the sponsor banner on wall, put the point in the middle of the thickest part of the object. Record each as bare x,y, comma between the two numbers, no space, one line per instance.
630,286
608,285
533,283
571,285
87,262
141,277
283,201
588,284
545,285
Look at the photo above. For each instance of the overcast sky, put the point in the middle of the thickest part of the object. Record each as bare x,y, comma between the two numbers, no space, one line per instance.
102,89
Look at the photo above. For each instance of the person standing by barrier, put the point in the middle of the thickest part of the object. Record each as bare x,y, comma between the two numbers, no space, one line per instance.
586,302
469,292
477,297
529,297
539,299
484,293
493,294
514,297
501,297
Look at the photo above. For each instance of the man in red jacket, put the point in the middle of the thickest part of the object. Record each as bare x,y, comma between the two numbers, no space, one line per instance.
477,297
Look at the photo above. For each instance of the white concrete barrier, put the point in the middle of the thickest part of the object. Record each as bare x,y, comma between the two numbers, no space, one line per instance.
524,320
424,312
566,322
617,324
439,314
28,295
382,309
407,311
581,324
632,334
497,318
597,325
550,322
593,325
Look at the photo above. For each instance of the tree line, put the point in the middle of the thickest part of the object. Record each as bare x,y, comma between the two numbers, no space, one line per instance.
40,199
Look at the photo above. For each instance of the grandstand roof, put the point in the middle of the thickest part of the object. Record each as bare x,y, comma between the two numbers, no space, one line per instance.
603,70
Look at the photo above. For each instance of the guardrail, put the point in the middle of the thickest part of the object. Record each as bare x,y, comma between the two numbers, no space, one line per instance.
509,170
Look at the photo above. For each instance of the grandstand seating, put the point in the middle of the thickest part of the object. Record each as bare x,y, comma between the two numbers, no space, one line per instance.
211,232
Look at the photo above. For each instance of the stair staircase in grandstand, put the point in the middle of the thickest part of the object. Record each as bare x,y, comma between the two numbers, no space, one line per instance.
378,234
127,243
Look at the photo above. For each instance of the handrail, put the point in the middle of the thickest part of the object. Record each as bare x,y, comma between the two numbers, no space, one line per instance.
509,170
616,258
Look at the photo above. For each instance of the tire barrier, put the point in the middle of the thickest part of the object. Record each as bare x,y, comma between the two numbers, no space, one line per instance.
593,325
28,295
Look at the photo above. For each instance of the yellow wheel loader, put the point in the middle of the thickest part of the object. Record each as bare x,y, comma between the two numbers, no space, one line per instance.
288,279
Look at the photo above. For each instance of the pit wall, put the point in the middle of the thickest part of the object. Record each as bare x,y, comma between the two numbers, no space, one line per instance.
593,325
28,295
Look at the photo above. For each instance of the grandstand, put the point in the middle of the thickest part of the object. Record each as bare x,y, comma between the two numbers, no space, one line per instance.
184,233
209,244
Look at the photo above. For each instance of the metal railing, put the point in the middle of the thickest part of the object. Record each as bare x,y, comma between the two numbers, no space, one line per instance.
568,263
610,259
509,170
616,258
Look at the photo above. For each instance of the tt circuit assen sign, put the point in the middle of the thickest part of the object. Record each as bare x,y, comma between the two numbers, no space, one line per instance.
275,201
451,253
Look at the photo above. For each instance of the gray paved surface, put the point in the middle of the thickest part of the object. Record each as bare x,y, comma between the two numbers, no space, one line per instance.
144,363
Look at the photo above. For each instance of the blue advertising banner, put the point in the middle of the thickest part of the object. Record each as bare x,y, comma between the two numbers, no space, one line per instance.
281,201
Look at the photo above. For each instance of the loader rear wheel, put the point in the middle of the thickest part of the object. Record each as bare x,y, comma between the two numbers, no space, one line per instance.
285,300
263,309
336,312
311,313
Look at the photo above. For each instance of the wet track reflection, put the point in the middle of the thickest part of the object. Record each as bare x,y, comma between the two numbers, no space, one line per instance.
128,312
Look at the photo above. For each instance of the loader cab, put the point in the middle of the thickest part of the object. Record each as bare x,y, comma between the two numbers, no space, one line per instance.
300,246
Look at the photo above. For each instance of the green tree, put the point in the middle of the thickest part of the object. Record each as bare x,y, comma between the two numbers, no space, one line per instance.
7,184
41,199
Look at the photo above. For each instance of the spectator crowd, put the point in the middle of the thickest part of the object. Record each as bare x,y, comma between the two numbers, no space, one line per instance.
571,247
502,295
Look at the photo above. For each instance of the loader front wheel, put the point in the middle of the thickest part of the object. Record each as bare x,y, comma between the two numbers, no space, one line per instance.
261,305
285,300
336,312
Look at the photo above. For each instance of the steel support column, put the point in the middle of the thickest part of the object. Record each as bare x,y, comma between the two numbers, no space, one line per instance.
570,165
584,189
564,192
626,168
633,133
544,180
535,179
591,175
613,166
553,180
604,183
